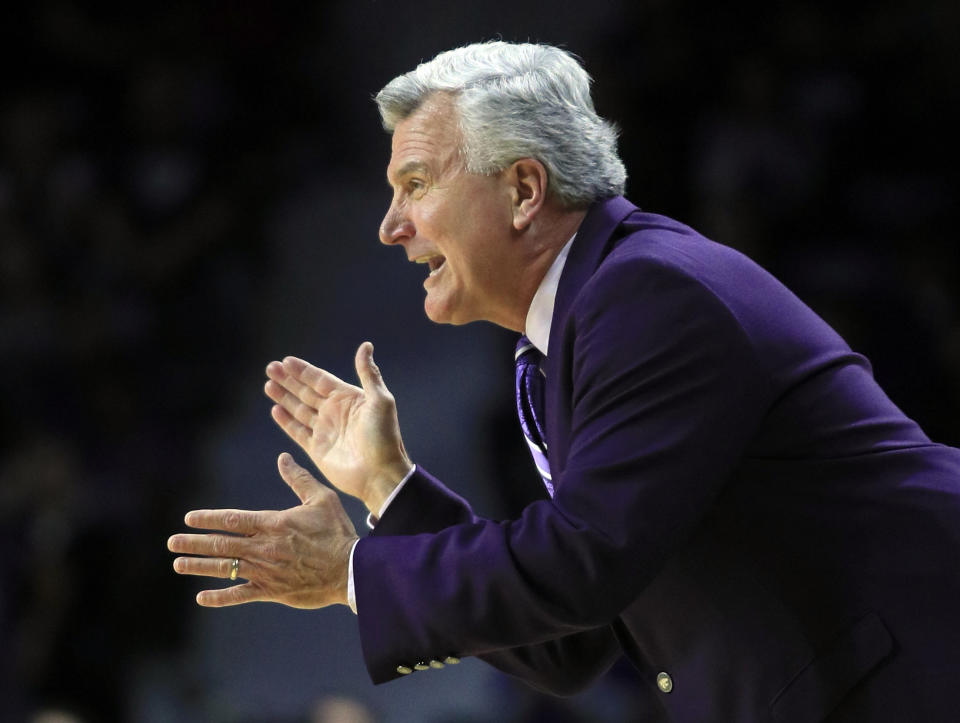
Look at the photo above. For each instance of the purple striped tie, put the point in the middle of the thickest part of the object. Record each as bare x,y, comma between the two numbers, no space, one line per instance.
530,406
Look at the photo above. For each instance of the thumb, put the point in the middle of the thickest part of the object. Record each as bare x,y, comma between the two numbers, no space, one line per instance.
304,484
368,372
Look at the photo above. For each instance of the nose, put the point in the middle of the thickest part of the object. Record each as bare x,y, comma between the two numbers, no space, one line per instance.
396,227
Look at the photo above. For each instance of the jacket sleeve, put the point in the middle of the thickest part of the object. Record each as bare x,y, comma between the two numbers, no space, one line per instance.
560,667
666,393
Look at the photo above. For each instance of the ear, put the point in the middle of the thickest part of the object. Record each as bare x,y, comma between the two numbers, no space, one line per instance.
528,182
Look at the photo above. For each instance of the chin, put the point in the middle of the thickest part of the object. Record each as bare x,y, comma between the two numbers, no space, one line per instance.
435,314
443,314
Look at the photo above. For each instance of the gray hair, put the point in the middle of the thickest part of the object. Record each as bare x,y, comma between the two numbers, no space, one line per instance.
518,101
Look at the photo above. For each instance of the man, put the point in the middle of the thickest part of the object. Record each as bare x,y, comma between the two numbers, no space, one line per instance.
730,499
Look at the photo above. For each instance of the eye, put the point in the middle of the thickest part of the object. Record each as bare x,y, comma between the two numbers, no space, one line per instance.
416,185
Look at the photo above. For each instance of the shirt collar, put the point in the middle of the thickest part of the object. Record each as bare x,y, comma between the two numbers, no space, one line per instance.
540,313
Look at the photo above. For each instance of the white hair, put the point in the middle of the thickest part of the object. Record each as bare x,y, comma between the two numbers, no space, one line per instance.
518,101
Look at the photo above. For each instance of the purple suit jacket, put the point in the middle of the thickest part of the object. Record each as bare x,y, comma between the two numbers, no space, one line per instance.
738,506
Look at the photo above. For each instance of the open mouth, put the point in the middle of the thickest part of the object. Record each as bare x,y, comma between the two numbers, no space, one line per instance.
434,261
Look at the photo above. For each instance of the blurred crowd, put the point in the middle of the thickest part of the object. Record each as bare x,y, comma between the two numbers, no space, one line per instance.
130,251
143,150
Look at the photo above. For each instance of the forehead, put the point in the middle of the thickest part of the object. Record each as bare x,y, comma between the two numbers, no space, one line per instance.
429,137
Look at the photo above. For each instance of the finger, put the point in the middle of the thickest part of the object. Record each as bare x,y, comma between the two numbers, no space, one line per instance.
275,388
304,484
235,595
319,380
242,522
210,567
301,391
301,411
211,545
299,433
367,370
275,371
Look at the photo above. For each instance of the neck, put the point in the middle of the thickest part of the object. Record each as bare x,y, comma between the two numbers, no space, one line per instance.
550,233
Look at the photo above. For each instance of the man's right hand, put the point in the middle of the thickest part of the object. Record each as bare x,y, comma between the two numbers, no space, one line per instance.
351,433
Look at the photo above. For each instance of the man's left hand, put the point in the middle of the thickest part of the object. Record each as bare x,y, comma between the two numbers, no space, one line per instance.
298,557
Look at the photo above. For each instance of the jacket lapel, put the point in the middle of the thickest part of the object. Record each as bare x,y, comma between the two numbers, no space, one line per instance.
591,245
594,240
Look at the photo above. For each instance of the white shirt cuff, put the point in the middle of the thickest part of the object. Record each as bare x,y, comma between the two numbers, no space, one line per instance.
373,519
351,591
371,522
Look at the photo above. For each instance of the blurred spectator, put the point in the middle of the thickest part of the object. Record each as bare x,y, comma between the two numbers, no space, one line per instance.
336,709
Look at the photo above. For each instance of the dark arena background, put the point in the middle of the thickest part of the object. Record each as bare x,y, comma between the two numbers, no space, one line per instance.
191,189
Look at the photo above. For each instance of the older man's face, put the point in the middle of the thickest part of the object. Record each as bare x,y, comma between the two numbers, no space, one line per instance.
455,223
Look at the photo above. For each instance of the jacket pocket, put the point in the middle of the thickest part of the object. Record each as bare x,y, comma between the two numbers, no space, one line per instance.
820,686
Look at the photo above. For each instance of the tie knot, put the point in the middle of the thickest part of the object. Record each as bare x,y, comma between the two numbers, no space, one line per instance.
526,351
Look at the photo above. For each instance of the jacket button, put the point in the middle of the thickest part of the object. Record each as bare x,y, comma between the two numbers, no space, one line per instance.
451,660
421,666
404,670
664,682
436,664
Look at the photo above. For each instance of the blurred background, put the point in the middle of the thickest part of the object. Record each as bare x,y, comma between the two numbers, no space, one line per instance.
191,189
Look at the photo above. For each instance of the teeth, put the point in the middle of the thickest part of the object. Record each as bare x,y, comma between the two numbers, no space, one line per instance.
436,262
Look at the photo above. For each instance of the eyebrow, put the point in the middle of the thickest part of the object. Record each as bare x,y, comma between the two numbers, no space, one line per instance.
408,168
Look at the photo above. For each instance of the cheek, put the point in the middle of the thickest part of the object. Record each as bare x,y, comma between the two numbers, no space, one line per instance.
481,267
435,223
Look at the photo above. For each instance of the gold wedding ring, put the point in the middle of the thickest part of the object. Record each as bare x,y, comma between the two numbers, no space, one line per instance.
234,568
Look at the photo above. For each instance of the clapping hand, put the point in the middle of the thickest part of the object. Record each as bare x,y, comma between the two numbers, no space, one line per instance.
298,557
351,433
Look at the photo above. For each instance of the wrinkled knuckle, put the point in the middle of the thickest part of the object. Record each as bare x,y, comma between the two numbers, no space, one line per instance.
219,545
231,521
